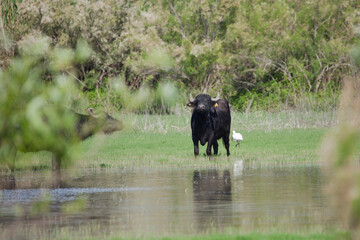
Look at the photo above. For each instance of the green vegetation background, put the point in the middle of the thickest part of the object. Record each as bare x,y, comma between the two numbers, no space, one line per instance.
260,54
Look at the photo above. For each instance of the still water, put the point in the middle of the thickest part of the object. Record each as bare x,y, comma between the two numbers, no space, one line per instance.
246,197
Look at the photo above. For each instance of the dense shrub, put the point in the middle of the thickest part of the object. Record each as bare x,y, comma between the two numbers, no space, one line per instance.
34,115
289,49
261,54
100,23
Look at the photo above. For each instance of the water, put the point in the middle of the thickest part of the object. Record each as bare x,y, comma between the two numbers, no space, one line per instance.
141,202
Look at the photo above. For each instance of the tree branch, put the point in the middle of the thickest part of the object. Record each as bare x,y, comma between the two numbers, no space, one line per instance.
172,8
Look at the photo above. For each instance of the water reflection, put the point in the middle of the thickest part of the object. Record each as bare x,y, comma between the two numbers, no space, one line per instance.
166,201
238,168
212,198
7,182
212,186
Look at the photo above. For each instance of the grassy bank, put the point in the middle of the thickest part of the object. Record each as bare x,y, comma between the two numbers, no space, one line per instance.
154,140
90,235
257,236
176,149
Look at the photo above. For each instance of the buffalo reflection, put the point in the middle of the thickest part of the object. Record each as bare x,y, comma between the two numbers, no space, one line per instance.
211,197
7,182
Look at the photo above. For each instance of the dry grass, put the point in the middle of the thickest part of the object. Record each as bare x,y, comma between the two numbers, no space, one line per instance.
261,120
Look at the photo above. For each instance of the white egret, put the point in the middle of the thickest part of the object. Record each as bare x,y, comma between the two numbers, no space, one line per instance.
237,137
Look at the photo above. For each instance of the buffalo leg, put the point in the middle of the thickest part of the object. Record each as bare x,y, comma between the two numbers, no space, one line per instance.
196,147
227,144
208,149
216,147
211,141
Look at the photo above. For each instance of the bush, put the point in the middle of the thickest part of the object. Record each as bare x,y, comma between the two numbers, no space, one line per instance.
249,50
99,23
300,46
34,115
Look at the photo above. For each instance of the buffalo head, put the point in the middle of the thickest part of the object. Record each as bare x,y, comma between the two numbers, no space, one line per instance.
106,123
203,103
87,125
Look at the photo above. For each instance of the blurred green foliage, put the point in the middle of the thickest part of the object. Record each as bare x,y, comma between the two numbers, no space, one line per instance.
261,55
38,89
75,206
41,207
341,151
34,113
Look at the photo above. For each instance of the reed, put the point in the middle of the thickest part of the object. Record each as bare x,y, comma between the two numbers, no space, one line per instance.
241,121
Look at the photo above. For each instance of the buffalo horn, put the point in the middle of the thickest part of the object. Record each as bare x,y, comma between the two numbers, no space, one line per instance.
191,98
217,98
91,112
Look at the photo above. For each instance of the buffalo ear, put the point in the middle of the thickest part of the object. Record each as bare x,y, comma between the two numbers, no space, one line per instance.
215,100
215,104
191,104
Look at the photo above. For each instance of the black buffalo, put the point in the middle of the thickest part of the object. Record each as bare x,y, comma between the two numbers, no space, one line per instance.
87,125
210,121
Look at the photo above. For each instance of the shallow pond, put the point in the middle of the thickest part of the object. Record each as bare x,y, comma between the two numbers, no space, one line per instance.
142,202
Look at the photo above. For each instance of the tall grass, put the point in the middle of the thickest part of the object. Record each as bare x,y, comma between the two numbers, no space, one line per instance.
9,11
241,121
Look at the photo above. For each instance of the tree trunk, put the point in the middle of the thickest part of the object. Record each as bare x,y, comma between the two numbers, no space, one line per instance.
55,162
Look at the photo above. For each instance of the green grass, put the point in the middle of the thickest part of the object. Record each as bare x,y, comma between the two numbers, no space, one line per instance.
173,149
258,236
247,236
177,148
278,236
88,234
